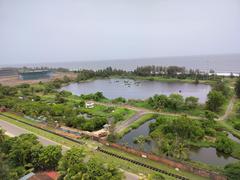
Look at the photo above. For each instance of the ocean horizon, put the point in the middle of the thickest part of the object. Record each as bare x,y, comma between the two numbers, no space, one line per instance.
218,63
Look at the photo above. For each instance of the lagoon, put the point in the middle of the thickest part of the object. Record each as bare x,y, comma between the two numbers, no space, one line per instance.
140,89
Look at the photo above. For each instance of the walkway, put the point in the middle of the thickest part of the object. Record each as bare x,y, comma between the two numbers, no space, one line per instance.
228,110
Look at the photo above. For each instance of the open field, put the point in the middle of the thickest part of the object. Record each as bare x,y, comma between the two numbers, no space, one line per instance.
15,80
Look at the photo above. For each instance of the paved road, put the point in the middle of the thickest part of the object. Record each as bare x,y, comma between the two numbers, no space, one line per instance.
13,130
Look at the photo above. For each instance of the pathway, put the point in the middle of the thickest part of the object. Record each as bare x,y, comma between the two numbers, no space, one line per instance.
228,110
124,124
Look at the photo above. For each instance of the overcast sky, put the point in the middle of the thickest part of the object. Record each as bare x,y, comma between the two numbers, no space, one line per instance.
79,30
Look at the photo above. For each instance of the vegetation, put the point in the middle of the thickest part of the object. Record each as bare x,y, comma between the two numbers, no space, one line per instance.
24,154
237,88
171,72
223,144
74,165
175,135
232,171
51,106
215,101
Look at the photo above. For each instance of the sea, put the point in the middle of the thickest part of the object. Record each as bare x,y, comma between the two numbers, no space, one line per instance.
222,64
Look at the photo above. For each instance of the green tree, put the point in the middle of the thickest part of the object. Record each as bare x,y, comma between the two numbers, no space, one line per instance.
175,101
72,164
48,158
191,102
183,128
221,86
232,171
21,149
209,115
2,136
140,140
98,171
237,88
223,144
4,169
215,101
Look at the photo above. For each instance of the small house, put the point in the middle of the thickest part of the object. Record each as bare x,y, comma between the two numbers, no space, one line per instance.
89,105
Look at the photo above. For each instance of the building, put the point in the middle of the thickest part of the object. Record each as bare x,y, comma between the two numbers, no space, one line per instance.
89,105
34,74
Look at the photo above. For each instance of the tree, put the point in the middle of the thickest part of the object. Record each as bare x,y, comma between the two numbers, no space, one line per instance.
237,126
221,86
140,140
2,136
209,115
22,148
175,101
223,144
72,163
48,158
158,101
98,171
4,169
180,150
183,128
191,102
232,171
66,79
215,101
237,88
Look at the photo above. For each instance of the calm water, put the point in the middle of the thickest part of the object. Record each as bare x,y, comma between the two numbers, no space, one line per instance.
142,130
205,155
130,89
232,137
211,156
219,63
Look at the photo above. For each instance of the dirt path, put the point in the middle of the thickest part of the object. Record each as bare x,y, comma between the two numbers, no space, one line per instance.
124,124
228,110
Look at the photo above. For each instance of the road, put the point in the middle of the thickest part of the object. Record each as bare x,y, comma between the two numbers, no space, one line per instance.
13,130
228,110
124,124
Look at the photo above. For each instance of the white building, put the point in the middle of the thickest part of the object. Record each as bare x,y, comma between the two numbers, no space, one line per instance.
89,105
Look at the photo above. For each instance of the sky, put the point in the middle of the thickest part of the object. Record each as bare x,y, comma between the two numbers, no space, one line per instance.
86,30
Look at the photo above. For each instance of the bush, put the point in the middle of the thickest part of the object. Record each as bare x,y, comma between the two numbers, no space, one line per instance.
237,126
223,144
232,171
